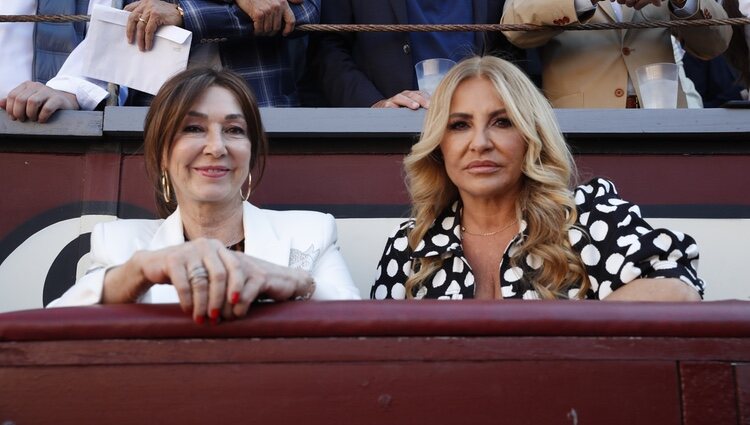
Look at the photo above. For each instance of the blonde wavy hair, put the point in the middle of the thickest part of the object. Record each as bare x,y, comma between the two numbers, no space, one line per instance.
546,201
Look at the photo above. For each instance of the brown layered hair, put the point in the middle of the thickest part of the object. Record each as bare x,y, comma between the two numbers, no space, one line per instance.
169,108
546,200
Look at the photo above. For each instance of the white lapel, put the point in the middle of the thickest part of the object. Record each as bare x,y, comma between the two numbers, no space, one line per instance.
261,239
169,233
627,13
606,7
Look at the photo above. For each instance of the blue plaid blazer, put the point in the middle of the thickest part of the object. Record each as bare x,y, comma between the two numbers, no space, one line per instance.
264,62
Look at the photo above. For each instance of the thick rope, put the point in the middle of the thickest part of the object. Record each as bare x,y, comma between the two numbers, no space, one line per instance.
44,18
443,27
520,27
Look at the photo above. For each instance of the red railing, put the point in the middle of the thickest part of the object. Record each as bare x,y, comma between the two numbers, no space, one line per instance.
381,362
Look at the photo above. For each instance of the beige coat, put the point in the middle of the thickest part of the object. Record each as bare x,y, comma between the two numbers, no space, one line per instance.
590,69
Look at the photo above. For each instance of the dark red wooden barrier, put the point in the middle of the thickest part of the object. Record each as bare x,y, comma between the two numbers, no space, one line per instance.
467,362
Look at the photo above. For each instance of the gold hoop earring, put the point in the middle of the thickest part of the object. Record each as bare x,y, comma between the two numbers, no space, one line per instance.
249,187
166,188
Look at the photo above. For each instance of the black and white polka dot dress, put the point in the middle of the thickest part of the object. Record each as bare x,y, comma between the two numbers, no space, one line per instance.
615,243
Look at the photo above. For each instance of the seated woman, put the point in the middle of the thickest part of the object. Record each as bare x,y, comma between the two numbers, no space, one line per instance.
203,137
495,217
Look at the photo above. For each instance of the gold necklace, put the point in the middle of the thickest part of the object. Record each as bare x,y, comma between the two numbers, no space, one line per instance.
463,230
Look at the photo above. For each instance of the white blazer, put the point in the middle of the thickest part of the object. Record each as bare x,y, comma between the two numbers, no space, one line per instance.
298,239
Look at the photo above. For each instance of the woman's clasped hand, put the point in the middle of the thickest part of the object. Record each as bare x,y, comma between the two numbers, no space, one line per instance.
211,280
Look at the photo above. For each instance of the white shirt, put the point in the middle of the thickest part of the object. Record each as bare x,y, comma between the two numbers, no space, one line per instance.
17,41
691,6
694,99
745,7
17,56
745,10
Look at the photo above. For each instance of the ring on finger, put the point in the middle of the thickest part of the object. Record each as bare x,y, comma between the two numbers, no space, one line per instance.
197,274
140,19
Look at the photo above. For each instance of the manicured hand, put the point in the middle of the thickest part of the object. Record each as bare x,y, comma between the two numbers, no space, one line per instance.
249,277
211,281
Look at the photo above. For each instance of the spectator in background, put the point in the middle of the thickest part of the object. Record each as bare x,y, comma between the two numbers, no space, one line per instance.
254,31
584,69
377,69
254,48
738,53
32,54
714,79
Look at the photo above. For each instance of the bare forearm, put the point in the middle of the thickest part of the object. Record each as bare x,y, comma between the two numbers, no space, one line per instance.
654,290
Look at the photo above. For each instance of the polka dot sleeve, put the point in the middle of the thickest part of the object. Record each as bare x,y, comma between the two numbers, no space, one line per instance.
394,266
618,246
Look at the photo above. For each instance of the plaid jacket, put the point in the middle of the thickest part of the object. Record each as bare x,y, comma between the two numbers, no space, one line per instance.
264,62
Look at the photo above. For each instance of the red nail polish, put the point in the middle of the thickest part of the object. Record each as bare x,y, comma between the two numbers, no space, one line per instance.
214,313
235,297
200,320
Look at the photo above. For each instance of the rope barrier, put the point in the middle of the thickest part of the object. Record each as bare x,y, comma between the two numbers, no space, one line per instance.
519,27
44,18
443,27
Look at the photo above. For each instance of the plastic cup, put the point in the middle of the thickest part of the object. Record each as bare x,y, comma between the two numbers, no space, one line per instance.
658,87
430,72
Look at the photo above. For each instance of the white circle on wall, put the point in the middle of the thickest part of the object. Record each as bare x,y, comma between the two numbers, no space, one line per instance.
23,272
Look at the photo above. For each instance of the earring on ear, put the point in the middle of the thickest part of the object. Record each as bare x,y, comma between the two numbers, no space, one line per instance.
166,187
249,187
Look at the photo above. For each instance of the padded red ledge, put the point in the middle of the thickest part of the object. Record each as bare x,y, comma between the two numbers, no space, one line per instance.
730,319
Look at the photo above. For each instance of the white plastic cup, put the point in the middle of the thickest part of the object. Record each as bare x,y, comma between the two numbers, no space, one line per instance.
658,86
430,72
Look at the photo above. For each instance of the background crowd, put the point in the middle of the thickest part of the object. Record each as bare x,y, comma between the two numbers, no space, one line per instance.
41,71
491,165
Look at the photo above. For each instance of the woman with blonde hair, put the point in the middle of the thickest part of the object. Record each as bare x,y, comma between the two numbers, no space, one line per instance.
495,214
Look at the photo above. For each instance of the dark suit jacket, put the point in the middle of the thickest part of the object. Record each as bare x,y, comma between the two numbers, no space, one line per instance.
714,79
359,69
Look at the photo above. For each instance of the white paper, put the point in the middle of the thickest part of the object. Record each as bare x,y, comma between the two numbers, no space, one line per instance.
745,7
109,56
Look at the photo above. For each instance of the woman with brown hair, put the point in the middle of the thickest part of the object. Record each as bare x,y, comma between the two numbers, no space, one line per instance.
203,138
495,215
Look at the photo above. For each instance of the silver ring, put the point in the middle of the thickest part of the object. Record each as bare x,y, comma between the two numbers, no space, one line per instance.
197,273
142,20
